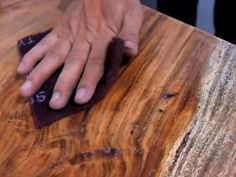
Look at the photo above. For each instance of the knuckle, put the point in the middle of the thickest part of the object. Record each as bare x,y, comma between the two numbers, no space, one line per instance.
63,80
44,43
96,61
76,62
28,57
33,76
92,80
87,83
74,56
53,53
75,59
38,74
60,85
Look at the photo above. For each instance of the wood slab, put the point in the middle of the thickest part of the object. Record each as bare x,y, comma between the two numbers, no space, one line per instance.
171,113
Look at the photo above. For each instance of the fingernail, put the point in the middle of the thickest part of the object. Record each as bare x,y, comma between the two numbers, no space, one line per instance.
55,97
26,86
80,94
131,45
21,66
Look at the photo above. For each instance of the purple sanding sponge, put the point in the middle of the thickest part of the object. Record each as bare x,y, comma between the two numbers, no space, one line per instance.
43,115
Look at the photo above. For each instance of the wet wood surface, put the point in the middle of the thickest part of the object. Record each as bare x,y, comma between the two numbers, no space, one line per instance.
171,113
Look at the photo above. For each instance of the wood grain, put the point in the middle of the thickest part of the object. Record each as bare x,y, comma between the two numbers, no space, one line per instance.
171,113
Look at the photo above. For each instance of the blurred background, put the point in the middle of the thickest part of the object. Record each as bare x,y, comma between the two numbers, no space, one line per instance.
204,16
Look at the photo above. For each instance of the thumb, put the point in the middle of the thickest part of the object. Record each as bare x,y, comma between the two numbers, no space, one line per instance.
130,29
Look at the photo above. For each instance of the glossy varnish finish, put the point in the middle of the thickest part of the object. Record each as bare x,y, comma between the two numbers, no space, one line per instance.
171,113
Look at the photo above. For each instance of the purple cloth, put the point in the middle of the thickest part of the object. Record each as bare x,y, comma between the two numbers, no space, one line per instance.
43,115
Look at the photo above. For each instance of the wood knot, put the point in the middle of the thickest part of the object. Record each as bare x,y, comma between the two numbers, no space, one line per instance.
169,95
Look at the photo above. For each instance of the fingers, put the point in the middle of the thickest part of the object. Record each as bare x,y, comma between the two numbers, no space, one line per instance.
93,72
70,74
131,28
37,53
54,58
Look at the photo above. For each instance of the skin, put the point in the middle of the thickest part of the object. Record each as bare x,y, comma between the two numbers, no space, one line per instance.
79,42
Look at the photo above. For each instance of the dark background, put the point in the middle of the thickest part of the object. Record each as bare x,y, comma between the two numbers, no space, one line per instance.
205,13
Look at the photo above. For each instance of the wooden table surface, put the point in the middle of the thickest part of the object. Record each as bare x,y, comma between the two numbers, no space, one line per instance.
171,113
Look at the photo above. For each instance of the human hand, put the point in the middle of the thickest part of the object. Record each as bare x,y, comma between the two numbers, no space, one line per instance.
79,42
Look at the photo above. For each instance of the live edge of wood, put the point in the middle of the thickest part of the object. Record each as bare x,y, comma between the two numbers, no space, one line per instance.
171,113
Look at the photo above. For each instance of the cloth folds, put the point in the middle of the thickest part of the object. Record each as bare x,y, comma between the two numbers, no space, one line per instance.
43,115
